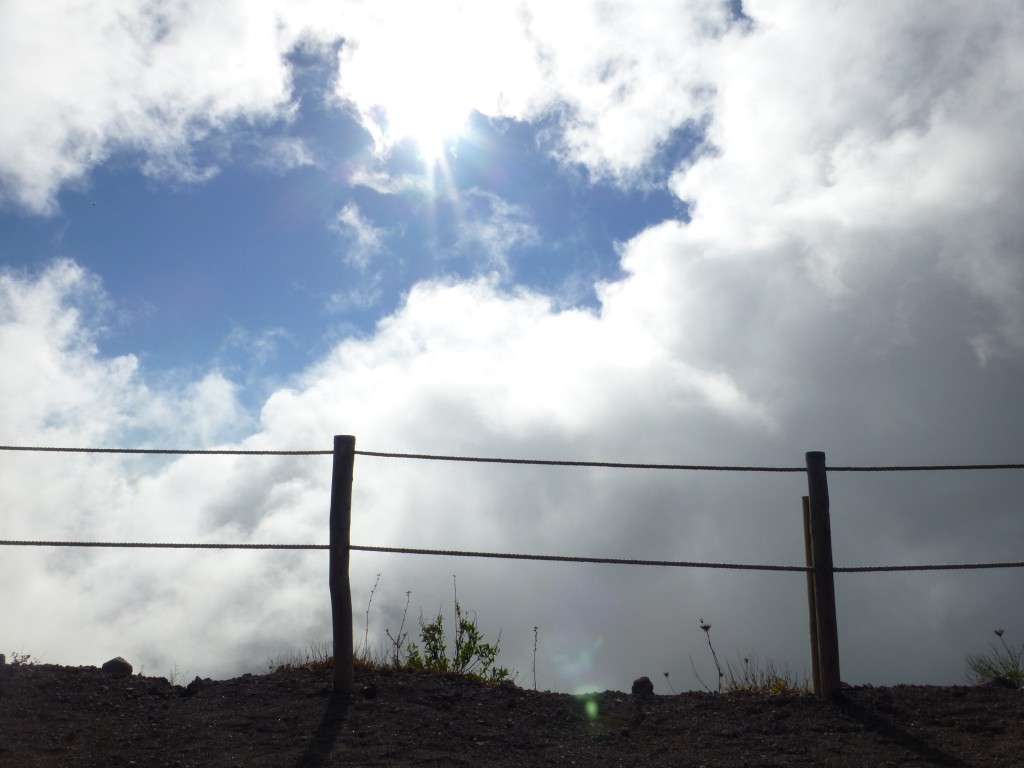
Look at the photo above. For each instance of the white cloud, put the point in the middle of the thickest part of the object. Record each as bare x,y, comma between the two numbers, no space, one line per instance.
670,370
854,247
83,80
53,386
60,390
404,65
866,151
89,79
364,241
491,229
360,297
384,183
619,78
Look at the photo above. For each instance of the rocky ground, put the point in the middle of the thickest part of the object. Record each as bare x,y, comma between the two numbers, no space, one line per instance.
83,716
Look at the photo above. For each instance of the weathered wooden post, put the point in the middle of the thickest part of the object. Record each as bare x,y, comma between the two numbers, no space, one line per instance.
824,583
341,589
812,615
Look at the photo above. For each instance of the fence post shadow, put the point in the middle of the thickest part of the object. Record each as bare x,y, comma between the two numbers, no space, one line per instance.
889,730
322,742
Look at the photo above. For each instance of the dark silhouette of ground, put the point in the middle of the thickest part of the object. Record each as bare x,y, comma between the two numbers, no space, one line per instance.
82,716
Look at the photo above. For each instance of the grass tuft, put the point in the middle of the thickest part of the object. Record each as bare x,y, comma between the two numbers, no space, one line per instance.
753,675
1006,662
763,677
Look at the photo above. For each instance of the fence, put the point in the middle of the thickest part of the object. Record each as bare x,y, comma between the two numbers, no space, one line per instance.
819,566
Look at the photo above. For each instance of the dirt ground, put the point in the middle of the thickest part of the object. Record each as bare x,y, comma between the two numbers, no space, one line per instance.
82,716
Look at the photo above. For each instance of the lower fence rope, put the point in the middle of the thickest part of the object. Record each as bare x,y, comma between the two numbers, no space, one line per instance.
511,556
406,551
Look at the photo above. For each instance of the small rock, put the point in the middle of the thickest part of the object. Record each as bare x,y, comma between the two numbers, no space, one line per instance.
192,688
643,686
369,691
118,666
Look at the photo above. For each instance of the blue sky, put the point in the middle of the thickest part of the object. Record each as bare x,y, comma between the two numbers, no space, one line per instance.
200,271
705,233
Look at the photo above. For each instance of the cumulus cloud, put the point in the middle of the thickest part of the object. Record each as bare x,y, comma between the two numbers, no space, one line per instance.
609,77
469,368
87,79
154,81
889,150
62,391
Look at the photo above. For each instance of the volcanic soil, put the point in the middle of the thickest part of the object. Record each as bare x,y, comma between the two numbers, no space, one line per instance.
82,716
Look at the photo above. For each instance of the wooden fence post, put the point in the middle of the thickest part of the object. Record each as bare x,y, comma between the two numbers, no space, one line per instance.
812,614
341,589
824,583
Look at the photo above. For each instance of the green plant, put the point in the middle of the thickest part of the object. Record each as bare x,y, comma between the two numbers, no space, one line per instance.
471,656
1003,662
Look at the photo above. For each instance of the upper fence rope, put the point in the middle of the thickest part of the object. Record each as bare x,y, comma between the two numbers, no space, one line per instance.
497,460
925,468
387,455
162,451
514,556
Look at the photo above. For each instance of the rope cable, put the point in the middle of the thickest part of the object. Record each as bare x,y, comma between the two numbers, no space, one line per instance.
162,451
498,460
514,556
566,463
575,559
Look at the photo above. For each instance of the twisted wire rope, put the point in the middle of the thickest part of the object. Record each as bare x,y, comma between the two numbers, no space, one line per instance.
498,460
513,556
161,451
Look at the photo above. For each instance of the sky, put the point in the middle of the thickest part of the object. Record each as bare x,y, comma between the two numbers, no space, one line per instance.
714,233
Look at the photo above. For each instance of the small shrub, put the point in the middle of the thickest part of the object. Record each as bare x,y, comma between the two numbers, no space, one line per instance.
1002,662
471,656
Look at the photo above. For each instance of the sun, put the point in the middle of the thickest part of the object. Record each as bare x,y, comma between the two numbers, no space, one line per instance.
427,95
431,118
